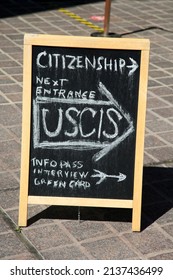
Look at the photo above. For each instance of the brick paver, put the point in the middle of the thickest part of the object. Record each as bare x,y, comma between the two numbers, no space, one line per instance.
55,232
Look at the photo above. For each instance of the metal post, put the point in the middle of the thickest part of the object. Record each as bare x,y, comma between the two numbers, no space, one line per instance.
107,17
106,32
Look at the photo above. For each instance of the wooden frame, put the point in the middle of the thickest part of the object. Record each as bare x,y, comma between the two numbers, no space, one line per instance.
83,42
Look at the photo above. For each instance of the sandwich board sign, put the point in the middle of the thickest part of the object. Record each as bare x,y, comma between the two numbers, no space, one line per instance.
84,106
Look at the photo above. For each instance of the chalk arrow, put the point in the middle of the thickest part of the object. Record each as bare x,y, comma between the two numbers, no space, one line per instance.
81,143
129,129
103,176
133,67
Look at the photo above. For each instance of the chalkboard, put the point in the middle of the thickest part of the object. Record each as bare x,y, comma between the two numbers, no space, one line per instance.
83,121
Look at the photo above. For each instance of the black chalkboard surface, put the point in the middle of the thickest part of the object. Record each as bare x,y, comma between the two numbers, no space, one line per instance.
84,110
84,115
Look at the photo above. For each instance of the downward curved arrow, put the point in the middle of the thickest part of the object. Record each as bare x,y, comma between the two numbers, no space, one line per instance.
103,176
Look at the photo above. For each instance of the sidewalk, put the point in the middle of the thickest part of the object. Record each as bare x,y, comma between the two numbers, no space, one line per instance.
55,232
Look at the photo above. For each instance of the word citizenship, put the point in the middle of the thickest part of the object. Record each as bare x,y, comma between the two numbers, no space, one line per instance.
56,60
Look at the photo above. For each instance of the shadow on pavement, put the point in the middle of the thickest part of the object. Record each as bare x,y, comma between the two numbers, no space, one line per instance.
10,8
157,200
157,194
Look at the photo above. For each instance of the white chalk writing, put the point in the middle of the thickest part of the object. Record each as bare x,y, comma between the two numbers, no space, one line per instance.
71,62
71,124
59,174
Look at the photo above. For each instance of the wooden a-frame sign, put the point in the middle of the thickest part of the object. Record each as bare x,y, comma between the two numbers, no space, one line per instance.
84,107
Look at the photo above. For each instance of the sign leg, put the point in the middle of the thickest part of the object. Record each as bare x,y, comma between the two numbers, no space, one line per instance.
23,213
137,206
136,219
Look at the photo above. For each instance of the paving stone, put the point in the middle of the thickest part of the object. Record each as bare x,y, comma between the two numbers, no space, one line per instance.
168,136
10,245
121,227
16,37
10,50
164,112
15,130
9,198
18,57
9,147
109,249
148,160
8,181
166,80
164,256
5,42
148,241
153,83
4,227
158,73
18,78
9,115
3,100
64,253
16,97
154,102
162,154
169,229
8,63
5,80
19,105
165,65
13,70
159,126
23,256
12,88
101,233
86,229
4,134
150,117
47,237
3,56
10,162
153,141
162,91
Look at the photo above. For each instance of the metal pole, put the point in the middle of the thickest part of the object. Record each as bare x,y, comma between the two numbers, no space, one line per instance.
107,17
106,32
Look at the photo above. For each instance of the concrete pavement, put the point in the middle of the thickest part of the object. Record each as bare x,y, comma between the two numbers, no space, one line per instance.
55,232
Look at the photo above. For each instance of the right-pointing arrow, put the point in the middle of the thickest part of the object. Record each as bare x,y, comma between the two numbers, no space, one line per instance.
133,67
103,176
130,128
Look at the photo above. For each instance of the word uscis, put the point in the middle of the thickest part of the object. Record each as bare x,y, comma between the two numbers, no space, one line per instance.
71,62
76,125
